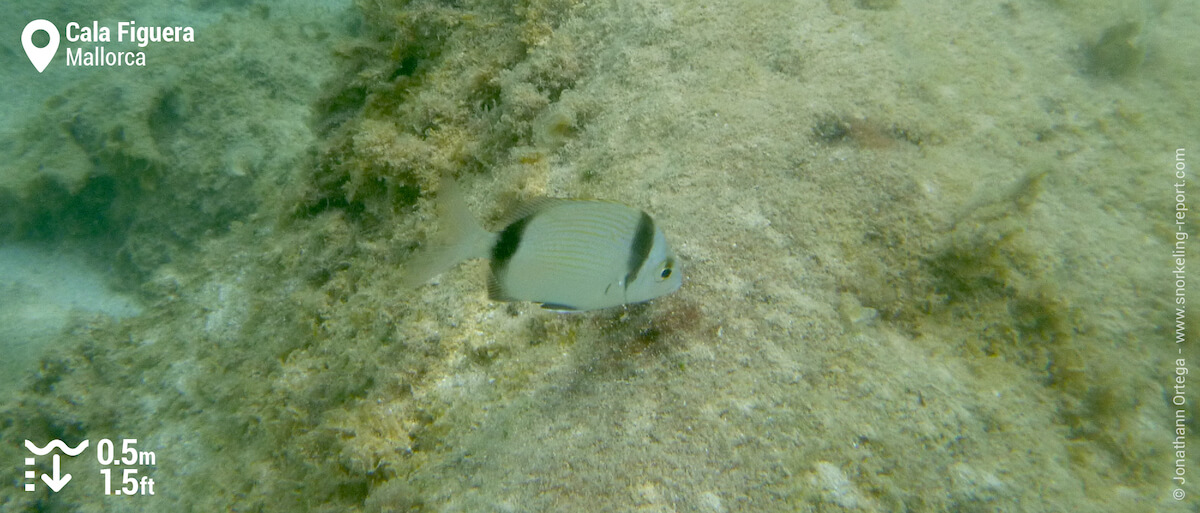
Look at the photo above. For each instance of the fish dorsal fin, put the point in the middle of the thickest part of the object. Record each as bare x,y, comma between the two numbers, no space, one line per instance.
529,208
540,203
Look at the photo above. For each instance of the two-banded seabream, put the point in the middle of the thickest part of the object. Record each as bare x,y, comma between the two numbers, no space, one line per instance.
567,254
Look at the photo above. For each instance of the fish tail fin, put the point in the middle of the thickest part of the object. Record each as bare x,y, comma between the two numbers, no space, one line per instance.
460,237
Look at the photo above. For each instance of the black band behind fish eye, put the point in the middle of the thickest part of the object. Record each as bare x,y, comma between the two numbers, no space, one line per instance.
639,248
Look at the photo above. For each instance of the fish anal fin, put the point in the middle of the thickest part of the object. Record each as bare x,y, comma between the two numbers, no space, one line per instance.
496,290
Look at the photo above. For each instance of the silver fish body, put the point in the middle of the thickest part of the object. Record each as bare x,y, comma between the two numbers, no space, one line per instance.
567,254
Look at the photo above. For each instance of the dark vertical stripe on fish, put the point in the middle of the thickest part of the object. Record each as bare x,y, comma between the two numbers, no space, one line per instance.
639,249
507,244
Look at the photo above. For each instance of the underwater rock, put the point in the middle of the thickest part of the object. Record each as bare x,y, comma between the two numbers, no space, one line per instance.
40,293
1118,53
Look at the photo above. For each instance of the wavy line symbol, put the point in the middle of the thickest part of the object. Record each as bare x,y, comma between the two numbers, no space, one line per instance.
56,444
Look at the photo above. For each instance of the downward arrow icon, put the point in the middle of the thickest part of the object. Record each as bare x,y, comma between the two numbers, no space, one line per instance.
55,483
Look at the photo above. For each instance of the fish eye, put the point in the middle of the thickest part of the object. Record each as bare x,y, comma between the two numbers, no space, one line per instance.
666,273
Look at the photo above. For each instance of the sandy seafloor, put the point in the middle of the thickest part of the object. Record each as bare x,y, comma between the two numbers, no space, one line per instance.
927,254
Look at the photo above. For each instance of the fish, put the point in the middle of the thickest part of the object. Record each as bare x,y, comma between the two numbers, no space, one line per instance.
568,255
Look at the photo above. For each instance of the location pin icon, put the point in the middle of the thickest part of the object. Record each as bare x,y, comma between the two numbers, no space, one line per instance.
40,57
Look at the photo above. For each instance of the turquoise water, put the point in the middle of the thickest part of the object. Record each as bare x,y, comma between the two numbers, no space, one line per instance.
930,256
